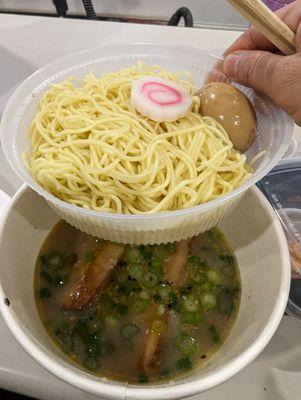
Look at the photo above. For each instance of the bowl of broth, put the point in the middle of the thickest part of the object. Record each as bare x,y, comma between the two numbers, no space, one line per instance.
161,321
138,314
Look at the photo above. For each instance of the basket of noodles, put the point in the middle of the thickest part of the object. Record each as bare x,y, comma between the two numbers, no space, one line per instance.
72,133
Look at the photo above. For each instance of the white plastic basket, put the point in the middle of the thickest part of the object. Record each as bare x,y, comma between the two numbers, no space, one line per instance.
273,136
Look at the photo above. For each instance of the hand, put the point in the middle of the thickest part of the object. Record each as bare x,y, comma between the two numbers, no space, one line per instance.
252,61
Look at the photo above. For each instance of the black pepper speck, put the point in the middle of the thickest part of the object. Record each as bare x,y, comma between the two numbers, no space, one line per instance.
6,301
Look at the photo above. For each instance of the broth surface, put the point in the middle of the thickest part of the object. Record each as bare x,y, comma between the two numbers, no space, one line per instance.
136,313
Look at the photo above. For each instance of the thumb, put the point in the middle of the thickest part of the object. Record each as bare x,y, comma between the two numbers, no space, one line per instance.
254,69
278,77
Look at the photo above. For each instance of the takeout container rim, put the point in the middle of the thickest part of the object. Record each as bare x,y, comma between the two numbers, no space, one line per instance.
173,390
19,168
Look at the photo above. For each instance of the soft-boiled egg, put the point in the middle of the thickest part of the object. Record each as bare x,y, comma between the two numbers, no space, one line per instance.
233,110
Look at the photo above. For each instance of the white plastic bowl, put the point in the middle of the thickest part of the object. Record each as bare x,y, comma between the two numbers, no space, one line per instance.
273,136
258,241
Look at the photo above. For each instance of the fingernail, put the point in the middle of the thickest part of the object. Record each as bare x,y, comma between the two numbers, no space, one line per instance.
230,65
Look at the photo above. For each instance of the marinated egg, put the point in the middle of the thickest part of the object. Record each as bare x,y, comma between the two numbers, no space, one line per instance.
233,110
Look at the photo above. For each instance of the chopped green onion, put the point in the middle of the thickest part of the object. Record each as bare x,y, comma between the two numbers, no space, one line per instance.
93,349
160,252
53,260
157,298
205,248
229,271
195,263
106,299
161,310
143,378
183,364
150,280
185,290
121,309
128,287
92,344
156,267
111,321
89,257
214,276
192,318
206,287
196,260
158,326
129,330
121,288
164,374
214,333
188,329
191,303
144,295
140,305
226,302
171,247
188,345
132,255
214,234
120,298
145,252
197,276
215,237
45,293
155,264
94,323
208,300
81,329
227,258
136,271
122,277
165,292
173,300
67,341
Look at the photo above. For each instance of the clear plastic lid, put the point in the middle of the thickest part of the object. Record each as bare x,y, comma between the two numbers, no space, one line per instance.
282,187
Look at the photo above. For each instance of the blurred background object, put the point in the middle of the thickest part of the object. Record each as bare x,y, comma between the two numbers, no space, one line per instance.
219,15
277,4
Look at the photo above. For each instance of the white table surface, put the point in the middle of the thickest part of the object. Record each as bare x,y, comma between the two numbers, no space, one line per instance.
26,44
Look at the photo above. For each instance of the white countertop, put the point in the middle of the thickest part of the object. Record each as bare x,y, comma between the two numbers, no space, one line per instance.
26,44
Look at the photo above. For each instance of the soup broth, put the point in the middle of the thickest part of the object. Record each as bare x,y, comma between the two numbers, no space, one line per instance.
136,313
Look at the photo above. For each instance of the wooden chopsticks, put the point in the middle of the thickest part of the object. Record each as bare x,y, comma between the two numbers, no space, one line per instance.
267,23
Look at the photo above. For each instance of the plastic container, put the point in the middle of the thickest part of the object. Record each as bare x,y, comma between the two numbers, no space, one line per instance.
274,135
282,187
